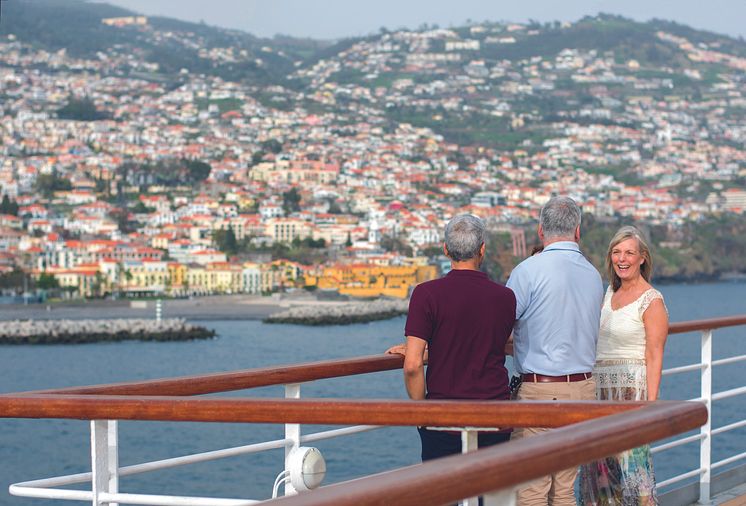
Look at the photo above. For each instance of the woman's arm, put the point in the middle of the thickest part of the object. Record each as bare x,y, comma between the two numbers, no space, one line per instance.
655,320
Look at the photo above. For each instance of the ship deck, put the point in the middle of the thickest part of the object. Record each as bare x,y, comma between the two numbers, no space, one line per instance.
733,497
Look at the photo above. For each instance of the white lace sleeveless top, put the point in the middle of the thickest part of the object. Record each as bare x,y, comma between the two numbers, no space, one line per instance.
622,332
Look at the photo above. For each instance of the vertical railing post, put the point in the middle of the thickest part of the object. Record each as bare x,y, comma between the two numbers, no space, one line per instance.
469,443
705,449
505,497
104,460
292,432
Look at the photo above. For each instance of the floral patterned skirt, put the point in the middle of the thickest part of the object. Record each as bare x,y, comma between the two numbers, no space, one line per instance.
625,479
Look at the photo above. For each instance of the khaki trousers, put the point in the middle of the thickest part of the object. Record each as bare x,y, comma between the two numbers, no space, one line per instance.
556,489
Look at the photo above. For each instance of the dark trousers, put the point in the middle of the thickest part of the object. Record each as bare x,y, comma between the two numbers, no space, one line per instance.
438,443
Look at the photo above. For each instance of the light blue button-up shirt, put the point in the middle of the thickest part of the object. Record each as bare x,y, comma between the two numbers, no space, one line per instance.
559,295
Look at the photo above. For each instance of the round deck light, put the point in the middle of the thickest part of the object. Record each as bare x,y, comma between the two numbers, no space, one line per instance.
307,468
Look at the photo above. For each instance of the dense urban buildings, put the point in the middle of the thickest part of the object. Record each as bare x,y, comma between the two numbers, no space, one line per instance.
118,177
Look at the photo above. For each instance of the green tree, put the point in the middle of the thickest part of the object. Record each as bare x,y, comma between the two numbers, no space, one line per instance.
225,241
272,146
198,170
81,109
121,218
47,184
47,281
12,279
8,206
141,208
257,157
291,201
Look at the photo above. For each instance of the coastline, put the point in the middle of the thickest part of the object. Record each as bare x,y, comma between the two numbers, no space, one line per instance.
235,307
206,308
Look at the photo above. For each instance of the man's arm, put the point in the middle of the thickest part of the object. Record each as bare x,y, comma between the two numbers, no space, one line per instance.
414,367
519,283
509,345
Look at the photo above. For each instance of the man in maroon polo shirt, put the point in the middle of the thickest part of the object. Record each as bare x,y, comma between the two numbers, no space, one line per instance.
462,321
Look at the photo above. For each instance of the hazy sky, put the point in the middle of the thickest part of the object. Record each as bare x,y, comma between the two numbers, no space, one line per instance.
339,18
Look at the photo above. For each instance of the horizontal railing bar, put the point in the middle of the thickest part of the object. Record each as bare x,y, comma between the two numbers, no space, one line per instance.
726,428
729,360
678,442
329,434
51,493
153,500
155,465
680,477
312,411
729,393
57,481
202,457
712,323
169,500
241,380
729,460
492,469
700,366
683,368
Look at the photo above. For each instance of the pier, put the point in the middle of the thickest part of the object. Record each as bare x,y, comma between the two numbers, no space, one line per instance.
341,314
91,331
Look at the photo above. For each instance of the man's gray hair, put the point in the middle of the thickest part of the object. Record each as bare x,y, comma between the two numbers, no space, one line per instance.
559,218
464,237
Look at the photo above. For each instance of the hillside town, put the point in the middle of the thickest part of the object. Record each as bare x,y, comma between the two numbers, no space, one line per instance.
117,182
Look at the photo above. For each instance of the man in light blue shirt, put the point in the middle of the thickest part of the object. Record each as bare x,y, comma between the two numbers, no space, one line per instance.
558,309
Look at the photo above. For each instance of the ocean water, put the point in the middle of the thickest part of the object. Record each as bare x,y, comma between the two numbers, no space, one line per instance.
32,449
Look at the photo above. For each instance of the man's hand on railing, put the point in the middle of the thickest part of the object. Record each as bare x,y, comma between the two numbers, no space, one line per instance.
397,348
401,349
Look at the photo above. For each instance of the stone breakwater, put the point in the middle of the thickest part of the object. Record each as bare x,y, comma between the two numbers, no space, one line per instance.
341,314
91,331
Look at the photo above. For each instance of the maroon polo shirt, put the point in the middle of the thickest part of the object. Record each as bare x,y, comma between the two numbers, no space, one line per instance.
466,320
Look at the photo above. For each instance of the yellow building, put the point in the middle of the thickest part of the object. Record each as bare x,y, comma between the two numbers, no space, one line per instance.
369,280
177,273
197,280
148,277
225,278
216,277
83,281
280,274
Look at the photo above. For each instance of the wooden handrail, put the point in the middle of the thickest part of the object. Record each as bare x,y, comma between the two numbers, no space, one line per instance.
446,480
298,373
241,380
311,411
711,323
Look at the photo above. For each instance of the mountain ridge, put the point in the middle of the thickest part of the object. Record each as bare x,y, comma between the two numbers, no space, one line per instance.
75,25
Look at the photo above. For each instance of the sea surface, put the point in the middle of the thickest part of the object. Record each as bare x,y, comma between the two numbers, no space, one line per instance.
32,449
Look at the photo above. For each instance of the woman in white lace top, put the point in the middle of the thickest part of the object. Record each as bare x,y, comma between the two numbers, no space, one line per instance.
634,327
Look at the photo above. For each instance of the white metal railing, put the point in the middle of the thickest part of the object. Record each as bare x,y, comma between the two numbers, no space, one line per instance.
105,474
706,465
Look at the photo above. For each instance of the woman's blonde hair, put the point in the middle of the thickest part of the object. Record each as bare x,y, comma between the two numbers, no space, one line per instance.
646,268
